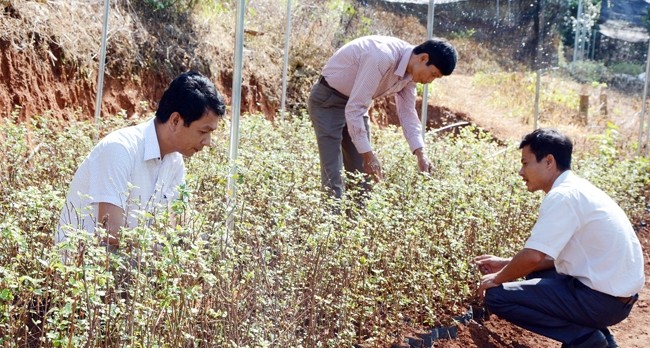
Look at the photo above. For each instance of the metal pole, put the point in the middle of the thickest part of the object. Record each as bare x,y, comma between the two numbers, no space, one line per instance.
578,31
497,10
592,45
102,68
643,106
236,109
425,88
285,64
538,72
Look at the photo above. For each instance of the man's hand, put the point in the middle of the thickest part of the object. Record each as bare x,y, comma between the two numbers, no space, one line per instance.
498,270
424,164
487,282
489,264
112,219
371,166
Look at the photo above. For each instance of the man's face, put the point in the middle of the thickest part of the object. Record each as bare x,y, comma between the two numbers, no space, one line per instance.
192,139
423,73
536,175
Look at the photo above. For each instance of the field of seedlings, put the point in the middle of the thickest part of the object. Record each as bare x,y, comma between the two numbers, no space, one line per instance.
297,269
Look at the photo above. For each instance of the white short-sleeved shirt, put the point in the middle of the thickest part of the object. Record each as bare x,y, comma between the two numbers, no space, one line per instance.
589,237
123,169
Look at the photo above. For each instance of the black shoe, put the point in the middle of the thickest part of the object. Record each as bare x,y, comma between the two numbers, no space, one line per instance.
610,339
595,340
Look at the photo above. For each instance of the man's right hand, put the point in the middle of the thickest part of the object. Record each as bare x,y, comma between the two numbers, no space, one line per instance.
371,166
112,219
488,264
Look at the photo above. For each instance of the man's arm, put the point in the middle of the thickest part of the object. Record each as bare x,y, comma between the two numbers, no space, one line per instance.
525,262
112,218
411,125
544,265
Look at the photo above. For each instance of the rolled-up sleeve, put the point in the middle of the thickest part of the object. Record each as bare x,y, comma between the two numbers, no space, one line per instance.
372,67
408,117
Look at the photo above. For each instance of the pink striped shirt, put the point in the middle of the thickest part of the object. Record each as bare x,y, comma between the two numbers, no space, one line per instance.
372,67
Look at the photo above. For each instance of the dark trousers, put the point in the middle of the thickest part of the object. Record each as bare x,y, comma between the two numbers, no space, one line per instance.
556,306
326,109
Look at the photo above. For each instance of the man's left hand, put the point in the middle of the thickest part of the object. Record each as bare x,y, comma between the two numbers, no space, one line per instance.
487,282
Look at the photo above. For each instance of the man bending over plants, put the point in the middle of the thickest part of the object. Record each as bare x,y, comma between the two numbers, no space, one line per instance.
139,168
365,69
582,263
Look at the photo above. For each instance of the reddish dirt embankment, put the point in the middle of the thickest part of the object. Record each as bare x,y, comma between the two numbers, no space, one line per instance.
34,80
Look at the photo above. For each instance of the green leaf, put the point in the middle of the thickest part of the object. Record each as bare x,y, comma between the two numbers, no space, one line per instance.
6,295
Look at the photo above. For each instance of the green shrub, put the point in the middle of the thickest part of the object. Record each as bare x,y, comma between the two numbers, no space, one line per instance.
587,71
627,68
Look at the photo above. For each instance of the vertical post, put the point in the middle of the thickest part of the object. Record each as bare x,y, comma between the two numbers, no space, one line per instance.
497,11
285,64
234,122
643,104
425,88
538,74
578,32
538,59
602,99
592,46
102,68
583,111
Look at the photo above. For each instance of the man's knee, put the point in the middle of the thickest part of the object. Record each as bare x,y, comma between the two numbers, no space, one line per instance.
495,299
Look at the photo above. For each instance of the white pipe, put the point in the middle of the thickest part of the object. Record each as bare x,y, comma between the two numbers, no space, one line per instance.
236,110
643,107
578,32
425,88
461,123
538,72
102,68
285,64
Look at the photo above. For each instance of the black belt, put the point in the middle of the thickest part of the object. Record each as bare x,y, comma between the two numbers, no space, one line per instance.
322,81
625,300
628,300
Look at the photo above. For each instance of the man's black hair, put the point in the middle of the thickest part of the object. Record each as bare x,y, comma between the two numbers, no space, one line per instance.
441,54
191,95
545,141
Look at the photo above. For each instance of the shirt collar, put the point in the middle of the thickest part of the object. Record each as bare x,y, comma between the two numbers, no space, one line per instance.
563,177
151,145
404,62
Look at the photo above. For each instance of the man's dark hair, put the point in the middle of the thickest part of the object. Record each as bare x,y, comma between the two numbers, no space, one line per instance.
191,95
441,54
545,141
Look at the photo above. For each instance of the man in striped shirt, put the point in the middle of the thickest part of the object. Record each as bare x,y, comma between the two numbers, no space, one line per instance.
365,69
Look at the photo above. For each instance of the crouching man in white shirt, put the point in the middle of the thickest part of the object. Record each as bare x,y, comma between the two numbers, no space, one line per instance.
583,264
138,169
